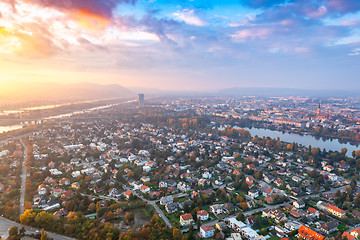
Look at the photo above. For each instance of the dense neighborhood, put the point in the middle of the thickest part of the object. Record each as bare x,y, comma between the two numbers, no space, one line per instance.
183,171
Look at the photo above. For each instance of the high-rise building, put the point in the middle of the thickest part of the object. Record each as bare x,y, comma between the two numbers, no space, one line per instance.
141,100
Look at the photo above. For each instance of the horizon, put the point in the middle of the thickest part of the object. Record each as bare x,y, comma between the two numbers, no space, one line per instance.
183,45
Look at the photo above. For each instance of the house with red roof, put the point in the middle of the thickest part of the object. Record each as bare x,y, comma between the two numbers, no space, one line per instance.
348,236
336,211
202,215
313,212
186,219
279,182
68,194
64,181
127,194
355,232
267,192
144,189
206,231
309,234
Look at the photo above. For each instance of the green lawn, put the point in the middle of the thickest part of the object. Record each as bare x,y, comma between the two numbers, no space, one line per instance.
342,227
274,237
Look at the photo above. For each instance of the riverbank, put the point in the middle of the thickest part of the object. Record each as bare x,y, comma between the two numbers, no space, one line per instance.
305,140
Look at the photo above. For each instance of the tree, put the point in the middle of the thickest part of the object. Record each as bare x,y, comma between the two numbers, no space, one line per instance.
43,235
28,217
244,206
198,223
191,232
27,205
240,217
22,232
129,218
13,231
353,184
176,234
92,207
343,151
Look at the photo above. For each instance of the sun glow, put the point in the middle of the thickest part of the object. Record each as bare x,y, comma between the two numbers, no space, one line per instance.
90,21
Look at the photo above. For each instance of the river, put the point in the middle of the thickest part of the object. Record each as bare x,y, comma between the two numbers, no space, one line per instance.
19,126
305,140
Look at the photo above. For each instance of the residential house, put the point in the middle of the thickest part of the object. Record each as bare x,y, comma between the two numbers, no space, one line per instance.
329,227
234,236
186,219
275,214
279,182
309,234
216,209
253,193
145,179
182,186
166,200
228,207
269,200
249,233
202,215
75,174
137,185
348,236
114,193
206,231
292,225
336,211
56,192
355,232
64,181
171,207
267,192
250,220
235,224
41,189
67,195
127,194
299,204
75,185
162,184
145,189
313,212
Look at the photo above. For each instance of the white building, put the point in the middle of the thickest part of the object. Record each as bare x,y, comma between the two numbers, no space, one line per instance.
206,231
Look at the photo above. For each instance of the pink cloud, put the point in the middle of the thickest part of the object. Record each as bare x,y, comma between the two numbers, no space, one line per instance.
254,33
316,13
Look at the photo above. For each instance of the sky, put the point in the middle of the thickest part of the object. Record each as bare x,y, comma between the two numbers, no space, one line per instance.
182,45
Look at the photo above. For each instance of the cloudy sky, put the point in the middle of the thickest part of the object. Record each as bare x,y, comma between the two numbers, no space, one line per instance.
183,45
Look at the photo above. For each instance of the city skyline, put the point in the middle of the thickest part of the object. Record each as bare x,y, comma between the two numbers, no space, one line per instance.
182,45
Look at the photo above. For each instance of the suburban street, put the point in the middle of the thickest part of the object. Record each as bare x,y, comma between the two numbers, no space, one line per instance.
6,224
153,203
23,178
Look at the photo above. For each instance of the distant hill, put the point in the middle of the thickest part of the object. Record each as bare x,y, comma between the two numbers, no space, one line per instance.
23,91
285,92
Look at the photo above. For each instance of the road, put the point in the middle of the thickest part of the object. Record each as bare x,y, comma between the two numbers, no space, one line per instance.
6,224
152,203
23,178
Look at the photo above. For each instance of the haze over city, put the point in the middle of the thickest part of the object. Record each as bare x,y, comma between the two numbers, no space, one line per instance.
180,120
182,45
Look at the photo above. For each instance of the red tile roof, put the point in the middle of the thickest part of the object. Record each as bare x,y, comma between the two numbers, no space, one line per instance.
336,209
347,236
202,213
312,210
206,228
310,234
187,216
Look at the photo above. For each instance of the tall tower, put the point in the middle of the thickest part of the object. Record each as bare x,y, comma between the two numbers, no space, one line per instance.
318,110
141,100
